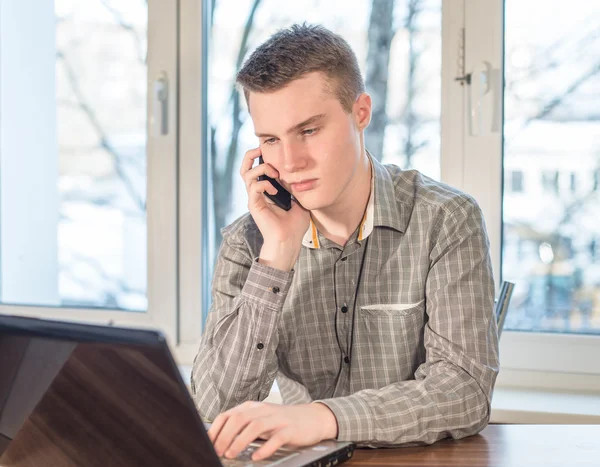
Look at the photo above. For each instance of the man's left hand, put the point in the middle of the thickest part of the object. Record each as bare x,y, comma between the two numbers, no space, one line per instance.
292,425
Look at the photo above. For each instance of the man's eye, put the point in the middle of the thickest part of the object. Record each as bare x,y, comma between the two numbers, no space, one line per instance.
270,141
309,131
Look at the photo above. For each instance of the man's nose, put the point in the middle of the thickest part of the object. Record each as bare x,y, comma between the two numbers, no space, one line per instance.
294,157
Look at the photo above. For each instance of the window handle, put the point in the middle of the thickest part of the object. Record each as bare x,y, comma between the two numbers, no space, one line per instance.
482,81
160,115
480,86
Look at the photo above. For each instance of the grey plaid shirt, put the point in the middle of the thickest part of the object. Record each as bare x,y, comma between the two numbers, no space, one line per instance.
424,357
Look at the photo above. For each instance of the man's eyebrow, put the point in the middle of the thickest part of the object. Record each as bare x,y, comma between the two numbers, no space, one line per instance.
308,121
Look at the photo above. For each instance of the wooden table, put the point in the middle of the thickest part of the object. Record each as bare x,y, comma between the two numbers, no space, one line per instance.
498,445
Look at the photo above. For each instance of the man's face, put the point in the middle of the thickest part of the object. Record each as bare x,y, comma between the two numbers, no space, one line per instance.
306,134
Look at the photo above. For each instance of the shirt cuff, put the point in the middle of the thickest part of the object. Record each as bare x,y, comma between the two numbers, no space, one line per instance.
354,418
267,286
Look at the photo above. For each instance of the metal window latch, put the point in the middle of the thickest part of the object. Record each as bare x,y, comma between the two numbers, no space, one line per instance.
484,79
463,77
466,79
161,105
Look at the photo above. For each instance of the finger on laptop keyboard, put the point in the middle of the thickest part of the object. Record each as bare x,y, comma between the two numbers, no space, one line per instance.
275,442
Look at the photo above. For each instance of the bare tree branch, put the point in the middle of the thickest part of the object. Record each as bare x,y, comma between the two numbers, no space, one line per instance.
213,7
114,287
556,55
224,181
567,47
559,99
411,120
104,140
380,37
128,27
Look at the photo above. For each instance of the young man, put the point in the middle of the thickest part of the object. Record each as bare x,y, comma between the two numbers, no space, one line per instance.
370,301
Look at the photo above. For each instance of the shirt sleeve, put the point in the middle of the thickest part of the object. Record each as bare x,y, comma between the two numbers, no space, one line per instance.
236,361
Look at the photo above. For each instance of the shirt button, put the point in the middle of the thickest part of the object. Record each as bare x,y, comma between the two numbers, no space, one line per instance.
344,309
347,359
260,346
275,289
344,258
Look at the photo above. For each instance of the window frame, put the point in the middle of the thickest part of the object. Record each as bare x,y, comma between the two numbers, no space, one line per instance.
195,242
163,280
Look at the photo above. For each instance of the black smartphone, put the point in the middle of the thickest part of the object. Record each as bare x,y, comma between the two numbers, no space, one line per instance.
283,198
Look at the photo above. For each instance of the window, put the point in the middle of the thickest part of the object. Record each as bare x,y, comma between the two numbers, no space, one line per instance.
551,123
573,182
102,217
550,181
405,128
516,185
81,202
536,133
538,350
74,231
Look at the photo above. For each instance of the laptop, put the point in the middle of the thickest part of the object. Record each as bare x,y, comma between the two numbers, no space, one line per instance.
96,396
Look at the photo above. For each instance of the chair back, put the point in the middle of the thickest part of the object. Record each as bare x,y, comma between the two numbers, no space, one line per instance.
501,304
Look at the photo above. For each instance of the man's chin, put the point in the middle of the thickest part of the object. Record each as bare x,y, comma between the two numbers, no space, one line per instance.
311,203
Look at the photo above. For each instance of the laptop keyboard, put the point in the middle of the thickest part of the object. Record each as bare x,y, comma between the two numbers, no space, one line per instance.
245,457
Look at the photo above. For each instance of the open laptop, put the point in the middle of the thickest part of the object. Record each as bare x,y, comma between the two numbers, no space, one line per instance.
96,396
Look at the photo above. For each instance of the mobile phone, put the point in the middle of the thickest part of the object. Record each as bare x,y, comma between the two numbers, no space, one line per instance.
283,198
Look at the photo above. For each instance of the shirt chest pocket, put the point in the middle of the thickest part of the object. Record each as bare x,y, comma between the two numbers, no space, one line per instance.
392,336
393,309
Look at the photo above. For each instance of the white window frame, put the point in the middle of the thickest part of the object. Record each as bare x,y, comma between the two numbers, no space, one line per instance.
162,312
194,240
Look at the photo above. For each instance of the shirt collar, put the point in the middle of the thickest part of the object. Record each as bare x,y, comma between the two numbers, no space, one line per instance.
382,208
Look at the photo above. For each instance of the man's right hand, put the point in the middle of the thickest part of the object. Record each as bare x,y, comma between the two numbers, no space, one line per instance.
282,231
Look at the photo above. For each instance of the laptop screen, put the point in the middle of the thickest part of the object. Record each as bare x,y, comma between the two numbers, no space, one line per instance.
75,399
28,367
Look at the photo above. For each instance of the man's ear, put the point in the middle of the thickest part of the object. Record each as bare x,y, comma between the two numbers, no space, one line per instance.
361,111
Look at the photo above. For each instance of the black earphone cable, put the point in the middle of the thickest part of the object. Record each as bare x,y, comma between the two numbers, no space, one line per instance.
358,284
